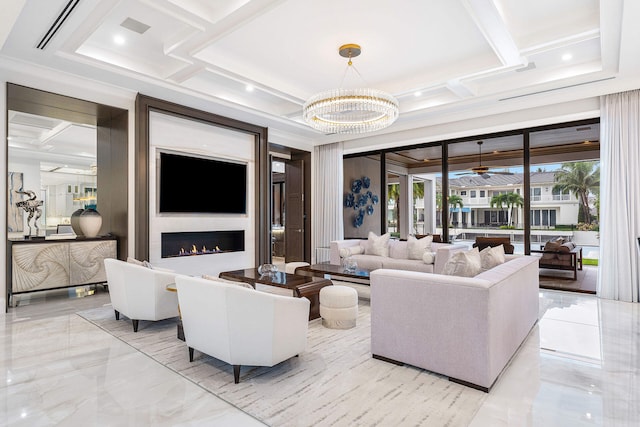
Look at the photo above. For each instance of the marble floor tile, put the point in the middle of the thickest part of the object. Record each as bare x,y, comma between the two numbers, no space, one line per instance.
62,370
580,366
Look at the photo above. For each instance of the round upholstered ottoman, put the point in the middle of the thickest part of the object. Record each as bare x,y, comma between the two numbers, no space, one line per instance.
338,307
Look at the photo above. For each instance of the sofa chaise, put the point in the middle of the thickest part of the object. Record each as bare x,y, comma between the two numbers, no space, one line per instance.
466,328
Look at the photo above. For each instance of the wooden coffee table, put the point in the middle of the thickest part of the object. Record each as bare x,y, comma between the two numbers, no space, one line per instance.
302,286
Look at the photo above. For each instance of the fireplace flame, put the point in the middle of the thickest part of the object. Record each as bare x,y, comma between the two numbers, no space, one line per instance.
194,251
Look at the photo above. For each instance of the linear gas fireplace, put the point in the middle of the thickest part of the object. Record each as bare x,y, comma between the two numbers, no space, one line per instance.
193,243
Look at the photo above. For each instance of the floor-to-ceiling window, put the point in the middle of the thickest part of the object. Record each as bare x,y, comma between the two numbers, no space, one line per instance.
486,189
414,176
504,186
565,184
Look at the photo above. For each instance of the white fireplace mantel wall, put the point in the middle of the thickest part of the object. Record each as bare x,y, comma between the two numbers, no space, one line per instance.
193,137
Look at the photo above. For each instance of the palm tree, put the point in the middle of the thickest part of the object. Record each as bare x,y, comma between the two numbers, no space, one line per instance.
579,178
438,206
393,193
499,200
455,201
514,201
418,193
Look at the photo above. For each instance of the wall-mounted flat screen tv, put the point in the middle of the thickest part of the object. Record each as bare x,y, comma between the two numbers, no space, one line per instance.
192,184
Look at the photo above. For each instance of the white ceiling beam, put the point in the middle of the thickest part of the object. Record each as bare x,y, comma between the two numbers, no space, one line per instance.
460,89
49,135
489,21
10,12
570,40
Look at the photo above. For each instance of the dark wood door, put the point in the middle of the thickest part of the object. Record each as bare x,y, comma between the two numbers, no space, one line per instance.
294,211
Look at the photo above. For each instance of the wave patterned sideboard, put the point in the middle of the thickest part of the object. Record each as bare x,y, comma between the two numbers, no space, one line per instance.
39,265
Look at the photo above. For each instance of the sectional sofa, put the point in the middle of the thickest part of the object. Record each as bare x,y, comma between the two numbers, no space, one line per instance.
466,328
398,255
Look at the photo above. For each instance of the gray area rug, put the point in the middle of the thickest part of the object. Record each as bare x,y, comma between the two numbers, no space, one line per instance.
335,382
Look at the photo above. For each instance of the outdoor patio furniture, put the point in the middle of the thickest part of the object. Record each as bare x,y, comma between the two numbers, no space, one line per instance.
560,255
483,242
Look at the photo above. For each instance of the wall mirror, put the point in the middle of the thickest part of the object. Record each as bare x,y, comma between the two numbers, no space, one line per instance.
54,158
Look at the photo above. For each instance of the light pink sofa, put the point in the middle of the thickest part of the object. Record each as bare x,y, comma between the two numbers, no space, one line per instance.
398,255
464,328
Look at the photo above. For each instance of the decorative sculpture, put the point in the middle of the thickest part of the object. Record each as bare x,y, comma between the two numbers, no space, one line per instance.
32,207
361,203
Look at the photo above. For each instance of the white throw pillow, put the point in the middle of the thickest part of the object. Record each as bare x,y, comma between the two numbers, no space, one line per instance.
417,247
351,250
231,282
377,245
429,257
134,261
464,264
144,263
492,256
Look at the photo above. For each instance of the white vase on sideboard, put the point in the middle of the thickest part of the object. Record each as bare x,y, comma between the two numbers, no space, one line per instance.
90,222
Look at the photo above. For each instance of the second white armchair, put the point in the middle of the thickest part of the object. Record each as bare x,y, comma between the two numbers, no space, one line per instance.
241,326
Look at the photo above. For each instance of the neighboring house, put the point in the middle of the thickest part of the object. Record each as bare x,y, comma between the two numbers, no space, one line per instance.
548,207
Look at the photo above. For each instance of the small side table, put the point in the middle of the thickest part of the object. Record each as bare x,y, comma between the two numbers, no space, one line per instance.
171,287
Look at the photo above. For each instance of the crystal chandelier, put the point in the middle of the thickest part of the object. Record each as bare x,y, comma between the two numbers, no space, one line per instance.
358,110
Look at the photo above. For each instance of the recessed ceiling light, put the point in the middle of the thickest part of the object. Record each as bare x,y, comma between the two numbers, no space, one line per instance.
249,88
119,40
567,57
418,93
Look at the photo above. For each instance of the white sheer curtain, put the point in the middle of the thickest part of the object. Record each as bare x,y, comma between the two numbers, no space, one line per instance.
618,276
328,189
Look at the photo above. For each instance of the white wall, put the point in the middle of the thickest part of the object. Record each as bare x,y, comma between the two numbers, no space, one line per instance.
190,136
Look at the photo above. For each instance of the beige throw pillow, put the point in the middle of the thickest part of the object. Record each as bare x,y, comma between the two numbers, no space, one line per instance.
464,264
377,245
134,261
417,247
492,256
144,263
351,250
231,282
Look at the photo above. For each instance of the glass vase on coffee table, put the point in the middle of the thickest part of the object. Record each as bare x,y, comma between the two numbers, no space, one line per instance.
350,265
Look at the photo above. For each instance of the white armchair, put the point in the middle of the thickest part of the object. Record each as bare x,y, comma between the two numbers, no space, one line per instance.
241,326
140,293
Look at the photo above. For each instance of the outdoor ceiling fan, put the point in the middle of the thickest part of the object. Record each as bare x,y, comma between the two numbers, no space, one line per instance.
483,171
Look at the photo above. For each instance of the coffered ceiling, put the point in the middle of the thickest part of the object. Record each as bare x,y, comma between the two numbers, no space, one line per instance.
258,60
